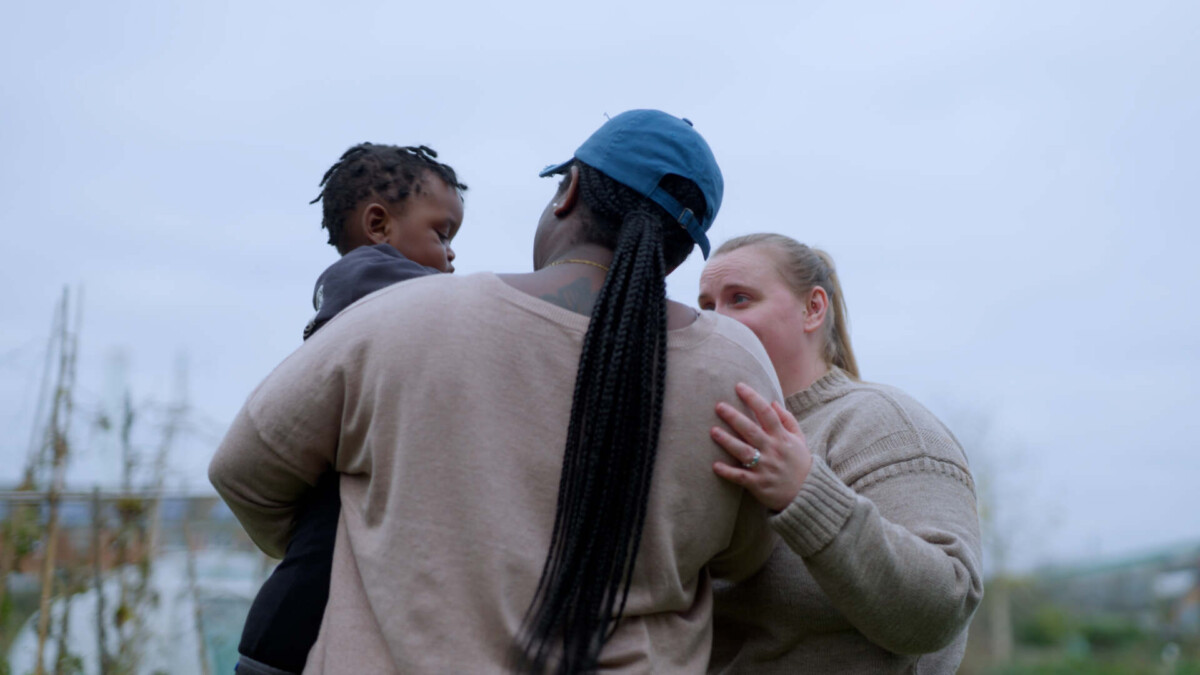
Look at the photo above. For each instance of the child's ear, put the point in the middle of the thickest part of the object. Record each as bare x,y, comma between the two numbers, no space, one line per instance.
376,219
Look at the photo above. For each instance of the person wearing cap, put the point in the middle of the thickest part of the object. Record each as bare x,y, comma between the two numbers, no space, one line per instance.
525,461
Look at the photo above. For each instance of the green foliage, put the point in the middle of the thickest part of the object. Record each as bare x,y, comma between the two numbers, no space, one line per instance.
1149,656
1098,666
1047,626
131,508
1111,632
19,606
68,664
122,614
1069,667
21,531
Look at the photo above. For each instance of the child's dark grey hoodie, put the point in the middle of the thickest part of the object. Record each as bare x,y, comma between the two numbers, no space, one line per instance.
359,273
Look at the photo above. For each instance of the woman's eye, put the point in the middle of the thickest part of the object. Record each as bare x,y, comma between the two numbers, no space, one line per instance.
739,298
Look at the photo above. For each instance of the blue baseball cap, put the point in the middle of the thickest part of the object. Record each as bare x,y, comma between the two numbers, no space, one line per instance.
639,147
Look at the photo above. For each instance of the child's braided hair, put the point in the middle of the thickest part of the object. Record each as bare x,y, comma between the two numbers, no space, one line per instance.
392,172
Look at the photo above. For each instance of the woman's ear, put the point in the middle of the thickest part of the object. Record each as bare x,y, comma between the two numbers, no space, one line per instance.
816,305
568,197
375,222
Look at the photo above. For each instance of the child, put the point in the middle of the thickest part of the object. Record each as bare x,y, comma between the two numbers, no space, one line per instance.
391,212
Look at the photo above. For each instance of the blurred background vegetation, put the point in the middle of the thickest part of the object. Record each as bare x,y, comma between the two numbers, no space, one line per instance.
1134,615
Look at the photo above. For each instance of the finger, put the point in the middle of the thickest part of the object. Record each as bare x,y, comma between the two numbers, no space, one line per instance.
733,474
762,409
737,449
748,429
786,418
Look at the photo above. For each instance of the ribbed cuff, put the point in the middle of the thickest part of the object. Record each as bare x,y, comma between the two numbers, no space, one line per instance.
818,512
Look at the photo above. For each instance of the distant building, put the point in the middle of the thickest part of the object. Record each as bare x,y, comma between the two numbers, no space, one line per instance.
1160,589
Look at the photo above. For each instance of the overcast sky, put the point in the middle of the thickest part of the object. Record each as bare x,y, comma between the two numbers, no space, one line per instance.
1009,190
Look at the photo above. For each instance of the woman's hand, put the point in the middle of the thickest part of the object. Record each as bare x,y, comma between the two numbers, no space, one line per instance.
783,456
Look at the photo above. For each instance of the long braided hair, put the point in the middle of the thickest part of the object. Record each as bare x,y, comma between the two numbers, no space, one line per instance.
393,172
612,437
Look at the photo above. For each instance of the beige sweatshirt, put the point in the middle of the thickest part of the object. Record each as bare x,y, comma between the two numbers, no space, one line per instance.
879,570
444,402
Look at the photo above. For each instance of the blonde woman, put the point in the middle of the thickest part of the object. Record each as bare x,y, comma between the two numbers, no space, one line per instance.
878,569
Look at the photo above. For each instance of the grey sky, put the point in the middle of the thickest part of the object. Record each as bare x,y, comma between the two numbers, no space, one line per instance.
1008,189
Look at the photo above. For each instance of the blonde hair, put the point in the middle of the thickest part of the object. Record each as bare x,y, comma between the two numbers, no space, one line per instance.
805,268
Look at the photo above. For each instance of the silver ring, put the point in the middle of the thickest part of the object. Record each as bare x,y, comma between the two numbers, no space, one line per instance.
753,460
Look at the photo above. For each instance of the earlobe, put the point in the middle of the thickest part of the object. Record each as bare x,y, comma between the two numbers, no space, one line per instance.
570,194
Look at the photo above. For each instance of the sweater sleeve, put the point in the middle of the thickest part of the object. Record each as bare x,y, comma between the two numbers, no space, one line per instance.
282,440
899,555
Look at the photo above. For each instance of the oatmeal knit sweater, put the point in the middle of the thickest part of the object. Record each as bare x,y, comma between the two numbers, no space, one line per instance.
443,402
879,566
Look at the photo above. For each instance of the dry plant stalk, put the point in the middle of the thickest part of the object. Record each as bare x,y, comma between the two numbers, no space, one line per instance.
60,417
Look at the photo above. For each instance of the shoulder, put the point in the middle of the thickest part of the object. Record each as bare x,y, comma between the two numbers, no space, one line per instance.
869,426
889,407
731,350
431,292
419,304
733,333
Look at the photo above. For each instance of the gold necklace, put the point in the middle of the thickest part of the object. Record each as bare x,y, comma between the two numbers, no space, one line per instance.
581,261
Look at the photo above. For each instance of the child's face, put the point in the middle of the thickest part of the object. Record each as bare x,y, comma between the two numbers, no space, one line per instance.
426,223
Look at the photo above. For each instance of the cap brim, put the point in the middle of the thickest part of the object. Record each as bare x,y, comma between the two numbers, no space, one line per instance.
556,168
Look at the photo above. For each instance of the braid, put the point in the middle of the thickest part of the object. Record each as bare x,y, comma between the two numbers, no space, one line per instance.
390,171
612,436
